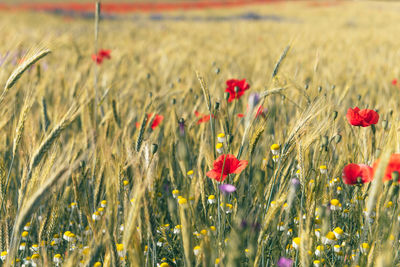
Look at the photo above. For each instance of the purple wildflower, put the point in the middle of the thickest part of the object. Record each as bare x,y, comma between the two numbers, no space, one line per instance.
284,262
227,188
254,98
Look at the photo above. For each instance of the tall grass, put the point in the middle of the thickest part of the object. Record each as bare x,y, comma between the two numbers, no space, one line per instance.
126,197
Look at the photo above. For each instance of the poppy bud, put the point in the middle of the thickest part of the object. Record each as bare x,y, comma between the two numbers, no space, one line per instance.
373,129
190,90
196,96
230,139
154,148
385,124
391,112
333,87
335,113
173,102
319,89
216,105
150,94
178,80
359,97
283,97
338,138
325,141
226,95
82,164
148,76
396,189
395,176
181,126
237,89
171,85
306,86
217,70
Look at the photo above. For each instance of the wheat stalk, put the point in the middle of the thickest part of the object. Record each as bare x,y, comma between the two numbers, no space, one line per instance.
34,201
17,73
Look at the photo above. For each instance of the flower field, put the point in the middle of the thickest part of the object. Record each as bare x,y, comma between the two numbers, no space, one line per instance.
136,141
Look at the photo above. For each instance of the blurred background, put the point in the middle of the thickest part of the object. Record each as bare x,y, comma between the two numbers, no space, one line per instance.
125,6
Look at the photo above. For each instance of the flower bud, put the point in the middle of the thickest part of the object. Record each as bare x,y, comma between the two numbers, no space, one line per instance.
226,95
230,139
338,138
216,106
154,148
335,114
325,141
385,124
395,176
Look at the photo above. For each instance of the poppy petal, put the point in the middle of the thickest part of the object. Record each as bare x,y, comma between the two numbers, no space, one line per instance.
242,165
216,175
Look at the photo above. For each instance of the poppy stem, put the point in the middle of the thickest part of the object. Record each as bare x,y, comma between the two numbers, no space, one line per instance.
373,141
219,205
96,38
228,120
234,112
219,215
212,131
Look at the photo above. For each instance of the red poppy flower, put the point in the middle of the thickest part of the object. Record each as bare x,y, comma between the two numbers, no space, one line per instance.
104,53
232,165
156,121
232,83
101,55
363,118
393,165
97,59
352,171
204,118
394,82
240,115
